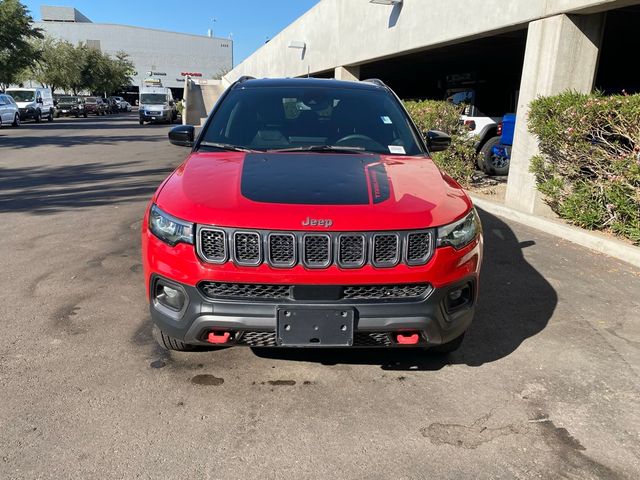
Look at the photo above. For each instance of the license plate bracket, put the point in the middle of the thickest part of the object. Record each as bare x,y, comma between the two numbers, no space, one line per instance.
315,327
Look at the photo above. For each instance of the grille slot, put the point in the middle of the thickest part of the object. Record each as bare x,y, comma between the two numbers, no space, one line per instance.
213,246
418,247
381,292
282,250
246,248
317,251
244,290
351,251
386,250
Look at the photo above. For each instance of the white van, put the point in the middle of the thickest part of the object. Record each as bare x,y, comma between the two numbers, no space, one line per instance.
157,105
35,103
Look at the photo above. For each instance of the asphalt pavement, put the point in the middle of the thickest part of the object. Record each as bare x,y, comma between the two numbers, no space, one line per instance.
546,384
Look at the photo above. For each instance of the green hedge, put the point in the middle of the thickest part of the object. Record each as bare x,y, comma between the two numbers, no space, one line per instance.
589,166
458,161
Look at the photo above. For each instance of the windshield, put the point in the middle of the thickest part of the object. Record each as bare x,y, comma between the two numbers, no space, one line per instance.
462,97
21,95
67,100
306,117
153,98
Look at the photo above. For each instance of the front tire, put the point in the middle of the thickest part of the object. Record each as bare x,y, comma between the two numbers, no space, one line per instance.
496,164
448,347
170,343
38,117
16,121
141,122
486,152
50,116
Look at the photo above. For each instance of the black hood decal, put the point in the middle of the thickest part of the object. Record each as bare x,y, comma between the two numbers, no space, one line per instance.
312,178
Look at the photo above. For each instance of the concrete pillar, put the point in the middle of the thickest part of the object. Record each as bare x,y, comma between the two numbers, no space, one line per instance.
561,54
347,73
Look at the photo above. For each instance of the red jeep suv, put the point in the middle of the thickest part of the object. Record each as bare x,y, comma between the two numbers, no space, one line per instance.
309,214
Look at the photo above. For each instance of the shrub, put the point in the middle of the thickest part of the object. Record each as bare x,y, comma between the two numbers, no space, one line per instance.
589,162
459,161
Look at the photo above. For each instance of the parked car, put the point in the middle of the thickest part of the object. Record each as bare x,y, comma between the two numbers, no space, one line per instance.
94,105
310,214
71,106
119,101
157,105
34,103
126,106
111,106
9,111
495,156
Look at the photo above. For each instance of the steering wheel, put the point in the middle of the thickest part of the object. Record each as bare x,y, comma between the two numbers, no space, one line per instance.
357,140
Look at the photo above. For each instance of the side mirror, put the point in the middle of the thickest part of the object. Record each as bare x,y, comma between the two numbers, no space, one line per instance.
38,100
182,135
437,141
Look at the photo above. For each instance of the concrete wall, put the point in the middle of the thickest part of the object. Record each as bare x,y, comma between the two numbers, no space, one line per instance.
200,98
158,50
351,32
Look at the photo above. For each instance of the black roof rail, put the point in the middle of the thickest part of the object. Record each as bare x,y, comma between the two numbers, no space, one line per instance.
244,78
375,81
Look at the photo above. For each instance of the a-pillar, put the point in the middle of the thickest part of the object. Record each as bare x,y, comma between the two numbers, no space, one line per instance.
561,54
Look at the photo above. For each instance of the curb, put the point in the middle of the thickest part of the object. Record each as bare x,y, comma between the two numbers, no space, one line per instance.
594,241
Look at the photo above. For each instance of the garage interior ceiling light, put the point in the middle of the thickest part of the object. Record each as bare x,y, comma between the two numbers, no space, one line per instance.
296,44
386,2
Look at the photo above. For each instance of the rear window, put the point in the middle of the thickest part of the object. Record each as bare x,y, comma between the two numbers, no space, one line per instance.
297,117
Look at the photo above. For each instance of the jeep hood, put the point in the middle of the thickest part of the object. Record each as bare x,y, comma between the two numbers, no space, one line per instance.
279,191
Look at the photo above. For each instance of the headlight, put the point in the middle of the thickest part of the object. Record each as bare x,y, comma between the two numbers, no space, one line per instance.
169,229
461,233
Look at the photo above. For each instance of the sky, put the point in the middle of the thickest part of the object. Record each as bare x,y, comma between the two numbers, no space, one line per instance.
248,22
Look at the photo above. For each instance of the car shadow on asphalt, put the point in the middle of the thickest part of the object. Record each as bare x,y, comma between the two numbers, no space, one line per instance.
515,304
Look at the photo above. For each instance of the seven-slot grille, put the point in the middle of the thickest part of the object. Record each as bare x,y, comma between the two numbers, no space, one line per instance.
315,250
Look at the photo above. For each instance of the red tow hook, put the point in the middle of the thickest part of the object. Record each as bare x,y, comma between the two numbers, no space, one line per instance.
404,339
214,337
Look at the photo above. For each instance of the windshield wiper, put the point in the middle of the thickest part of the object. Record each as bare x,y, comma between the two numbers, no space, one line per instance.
320,148
225,146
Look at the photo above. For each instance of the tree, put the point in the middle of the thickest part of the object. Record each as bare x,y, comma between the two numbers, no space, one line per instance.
101,73
17,52
57,65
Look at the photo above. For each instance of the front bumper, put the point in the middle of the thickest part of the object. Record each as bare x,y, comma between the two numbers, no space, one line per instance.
254,322
27,113
156,117
250,318
68,112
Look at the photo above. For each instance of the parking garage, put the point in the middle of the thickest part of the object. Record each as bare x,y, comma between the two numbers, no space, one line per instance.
507,56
